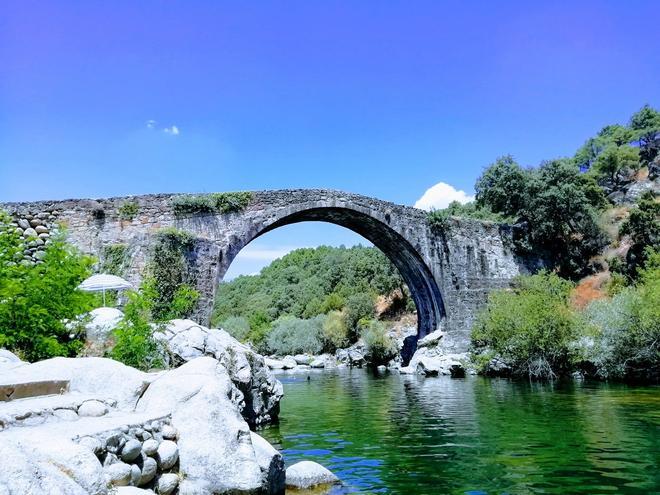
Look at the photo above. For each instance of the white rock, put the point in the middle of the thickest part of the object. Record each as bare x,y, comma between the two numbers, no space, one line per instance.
167,483
169,432
92,409
136,475
271,464
9,360
305,474
274,364
149,468
167,454
118,474
65,414
303,358
289,363
431,339
131,450
92,443
150,447
215,448
132,490
101,325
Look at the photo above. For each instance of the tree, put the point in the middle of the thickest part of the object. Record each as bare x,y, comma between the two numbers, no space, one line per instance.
643,227
335,332
41,302
614,159
502,187
380,346
645,125
531,327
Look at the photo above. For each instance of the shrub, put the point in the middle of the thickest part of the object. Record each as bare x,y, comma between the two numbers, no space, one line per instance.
335,332
358,306
643,227
531,327
134,342
292,335
191,204
39,299
114,259
237,326
627,343
380,346
128,210
439,219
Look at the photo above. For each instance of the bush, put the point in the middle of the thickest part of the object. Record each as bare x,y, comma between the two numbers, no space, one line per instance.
438,219
627,342
128,210
191,204
114,259
237,326
643,227
134,342
39,299
358,307
531,327
292,335
380,346
335,332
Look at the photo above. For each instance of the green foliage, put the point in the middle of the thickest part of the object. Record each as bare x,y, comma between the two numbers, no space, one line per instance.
645,125
134,342
39,299
292,335
169,277
114,259
643,227
237,326
502,187
531,327
359,306
191,204
438,219
381,348
304,284
614,159
627,343
335,331
555,203
128,210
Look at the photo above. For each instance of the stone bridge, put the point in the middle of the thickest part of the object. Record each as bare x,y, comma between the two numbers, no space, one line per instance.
449,273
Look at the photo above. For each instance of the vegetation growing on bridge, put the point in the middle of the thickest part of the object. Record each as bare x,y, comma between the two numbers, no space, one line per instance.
191,204
128,210
320,298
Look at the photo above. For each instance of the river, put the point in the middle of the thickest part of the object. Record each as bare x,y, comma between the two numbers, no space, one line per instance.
411,435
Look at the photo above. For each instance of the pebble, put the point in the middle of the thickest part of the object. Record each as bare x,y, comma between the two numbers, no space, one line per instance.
136,475
150,447
169,432
149,468
131,450
167,483
118,474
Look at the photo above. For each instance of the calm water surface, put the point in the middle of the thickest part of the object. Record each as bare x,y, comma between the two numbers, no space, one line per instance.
410,435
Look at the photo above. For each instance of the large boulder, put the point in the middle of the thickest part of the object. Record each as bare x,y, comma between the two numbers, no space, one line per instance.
215,446
429,363
9,360
105,378
306,474
102,322
184,340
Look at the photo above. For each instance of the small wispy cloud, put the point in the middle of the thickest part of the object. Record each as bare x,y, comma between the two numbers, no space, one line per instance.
171,130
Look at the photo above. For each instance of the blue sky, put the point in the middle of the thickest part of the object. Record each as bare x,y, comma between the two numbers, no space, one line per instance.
381,98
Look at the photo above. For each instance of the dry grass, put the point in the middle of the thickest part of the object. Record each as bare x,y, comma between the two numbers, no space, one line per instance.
590,289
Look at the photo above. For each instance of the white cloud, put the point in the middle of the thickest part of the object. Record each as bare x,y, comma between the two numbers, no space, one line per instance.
174,130
440,195
151,124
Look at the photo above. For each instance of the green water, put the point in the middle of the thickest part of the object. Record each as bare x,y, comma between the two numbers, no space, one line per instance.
410,435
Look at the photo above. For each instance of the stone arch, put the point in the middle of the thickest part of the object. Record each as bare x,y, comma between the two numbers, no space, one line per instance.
414,270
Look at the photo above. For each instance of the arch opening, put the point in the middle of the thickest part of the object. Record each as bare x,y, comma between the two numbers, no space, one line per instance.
414,271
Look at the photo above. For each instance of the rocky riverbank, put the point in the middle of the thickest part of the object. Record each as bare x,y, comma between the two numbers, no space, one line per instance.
95,426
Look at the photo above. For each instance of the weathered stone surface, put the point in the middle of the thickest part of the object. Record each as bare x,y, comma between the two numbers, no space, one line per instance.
431,339
150,447
305,474
261,392
271,464
214,443
149,469
117,474
92,409
167,483
101,324
9,360
167,454
449,273
131,450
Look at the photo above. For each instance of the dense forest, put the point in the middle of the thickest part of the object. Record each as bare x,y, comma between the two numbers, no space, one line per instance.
311,299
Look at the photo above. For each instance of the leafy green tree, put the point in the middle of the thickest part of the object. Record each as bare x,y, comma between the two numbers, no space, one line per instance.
40,303
134,343
643,227
502,187
645,125
292,335
335,332
614,159
358,307
531,326
381,348
237,326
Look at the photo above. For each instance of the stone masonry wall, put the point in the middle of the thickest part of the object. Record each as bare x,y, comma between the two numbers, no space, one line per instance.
463,263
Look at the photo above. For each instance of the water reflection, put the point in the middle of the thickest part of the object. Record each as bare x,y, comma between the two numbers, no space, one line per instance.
409,435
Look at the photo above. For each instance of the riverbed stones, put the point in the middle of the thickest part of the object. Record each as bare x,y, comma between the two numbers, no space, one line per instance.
167,454
131,450
149,469
169,432
92,409
306,474
117,474
167,483
150,447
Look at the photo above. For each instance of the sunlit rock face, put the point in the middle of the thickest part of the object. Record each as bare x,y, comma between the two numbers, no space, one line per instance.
449,272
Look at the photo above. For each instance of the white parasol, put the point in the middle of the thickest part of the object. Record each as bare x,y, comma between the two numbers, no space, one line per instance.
102,282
